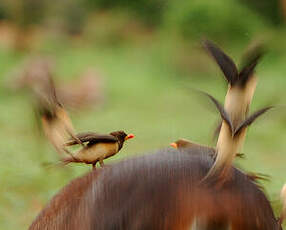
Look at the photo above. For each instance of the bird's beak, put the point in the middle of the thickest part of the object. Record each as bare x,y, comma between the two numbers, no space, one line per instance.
129,136
174,145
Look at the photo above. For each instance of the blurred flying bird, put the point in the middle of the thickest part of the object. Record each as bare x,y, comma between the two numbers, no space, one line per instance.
241,87
98,148
241,84
230,139
50,101
56,123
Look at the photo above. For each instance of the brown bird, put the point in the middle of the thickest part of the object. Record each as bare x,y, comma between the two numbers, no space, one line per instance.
56,123
57,126
184,143
37,78
98,148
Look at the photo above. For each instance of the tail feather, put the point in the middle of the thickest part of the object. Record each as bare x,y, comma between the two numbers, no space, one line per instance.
68,160
257,176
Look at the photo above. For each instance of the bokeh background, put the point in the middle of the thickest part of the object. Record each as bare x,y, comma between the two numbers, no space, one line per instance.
147,54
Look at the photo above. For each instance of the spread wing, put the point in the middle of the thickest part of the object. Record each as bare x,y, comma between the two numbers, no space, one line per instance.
225,63
92,137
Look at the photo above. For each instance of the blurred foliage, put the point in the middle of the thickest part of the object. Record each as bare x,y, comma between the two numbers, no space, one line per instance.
24,12
270,10
150,12
69,16
228,19
222,19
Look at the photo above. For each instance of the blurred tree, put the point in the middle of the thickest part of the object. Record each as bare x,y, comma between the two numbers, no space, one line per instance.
269,9
220,19
283,9
25,13
3,11
150,12
68,15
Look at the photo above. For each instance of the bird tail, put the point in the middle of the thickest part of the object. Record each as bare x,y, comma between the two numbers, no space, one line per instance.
70,159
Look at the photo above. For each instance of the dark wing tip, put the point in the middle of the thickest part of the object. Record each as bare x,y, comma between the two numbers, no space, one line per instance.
248,121
224,115
249,65
225,63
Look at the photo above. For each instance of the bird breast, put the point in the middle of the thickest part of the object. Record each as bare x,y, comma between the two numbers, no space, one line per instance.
95,152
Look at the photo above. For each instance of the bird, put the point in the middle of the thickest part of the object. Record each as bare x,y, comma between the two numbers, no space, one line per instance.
98,148
184,143
57,126
241,84
241,87
56,123
51,115
230,138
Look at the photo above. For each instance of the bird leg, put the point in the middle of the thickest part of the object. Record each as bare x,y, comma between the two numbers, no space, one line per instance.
101,162
94,166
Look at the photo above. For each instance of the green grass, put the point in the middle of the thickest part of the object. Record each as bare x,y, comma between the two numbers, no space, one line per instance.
146,92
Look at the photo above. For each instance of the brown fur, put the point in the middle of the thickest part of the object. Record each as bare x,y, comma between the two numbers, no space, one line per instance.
158,191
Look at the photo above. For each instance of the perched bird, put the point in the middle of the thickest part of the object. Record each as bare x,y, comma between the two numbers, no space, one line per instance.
98,148
184,143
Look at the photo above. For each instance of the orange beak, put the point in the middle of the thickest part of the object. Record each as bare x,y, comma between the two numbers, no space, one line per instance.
174,145
129,136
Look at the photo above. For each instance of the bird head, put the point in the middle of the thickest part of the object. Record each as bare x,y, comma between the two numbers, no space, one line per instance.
181,143
122,136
